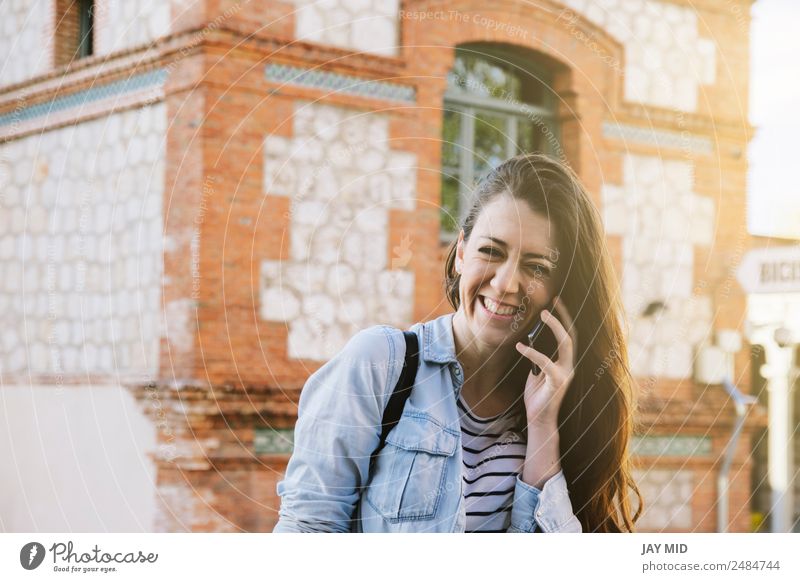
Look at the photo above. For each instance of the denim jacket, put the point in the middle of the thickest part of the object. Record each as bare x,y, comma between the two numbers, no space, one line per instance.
416,482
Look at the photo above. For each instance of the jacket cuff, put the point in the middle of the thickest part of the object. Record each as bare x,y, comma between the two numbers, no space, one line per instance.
549,508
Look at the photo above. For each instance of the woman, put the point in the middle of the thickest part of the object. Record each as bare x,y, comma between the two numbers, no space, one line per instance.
484,443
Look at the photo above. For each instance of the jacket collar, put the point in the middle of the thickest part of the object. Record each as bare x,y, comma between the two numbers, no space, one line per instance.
438,342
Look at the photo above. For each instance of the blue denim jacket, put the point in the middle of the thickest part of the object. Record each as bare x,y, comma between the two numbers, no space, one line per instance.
416,482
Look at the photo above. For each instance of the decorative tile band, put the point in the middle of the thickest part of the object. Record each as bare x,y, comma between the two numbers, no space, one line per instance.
675,446
123,92
348,84
271,441
659,138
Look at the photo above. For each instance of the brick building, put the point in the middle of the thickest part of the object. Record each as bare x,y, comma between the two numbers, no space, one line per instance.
203,200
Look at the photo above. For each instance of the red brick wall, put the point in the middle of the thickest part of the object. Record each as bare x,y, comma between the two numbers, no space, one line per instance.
222,108
67,31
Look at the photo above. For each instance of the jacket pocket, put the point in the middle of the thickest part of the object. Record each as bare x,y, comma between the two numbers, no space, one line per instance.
408,477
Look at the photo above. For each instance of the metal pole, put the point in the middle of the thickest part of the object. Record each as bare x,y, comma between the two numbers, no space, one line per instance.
780,430
741,402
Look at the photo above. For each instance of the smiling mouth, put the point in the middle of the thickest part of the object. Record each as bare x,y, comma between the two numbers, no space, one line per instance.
496,310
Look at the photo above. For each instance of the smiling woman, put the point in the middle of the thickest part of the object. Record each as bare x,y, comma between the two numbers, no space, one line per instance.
481,442
533,233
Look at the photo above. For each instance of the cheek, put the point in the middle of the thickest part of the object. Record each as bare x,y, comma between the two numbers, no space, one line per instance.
475,277
541,290
535,289
537,298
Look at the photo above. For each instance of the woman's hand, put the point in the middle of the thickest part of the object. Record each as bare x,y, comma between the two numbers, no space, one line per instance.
545,390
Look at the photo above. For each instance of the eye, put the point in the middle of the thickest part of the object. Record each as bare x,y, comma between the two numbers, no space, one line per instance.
540,270
488,251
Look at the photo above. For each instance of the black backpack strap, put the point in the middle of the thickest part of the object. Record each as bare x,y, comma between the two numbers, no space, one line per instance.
397,401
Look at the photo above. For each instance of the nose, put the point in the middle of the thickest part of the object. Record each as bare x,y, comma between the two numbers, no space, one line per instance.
505,281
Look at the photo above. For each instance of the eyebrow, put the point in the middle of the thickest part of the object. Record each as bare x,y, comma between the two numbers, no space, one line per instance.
534,255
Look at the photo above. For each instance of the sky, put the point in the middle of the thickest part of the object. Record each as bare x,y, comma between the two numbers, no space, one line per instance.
774,155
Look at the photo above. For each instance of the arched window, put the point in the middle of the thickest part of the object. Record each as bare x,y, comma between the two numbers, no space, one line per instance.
497,104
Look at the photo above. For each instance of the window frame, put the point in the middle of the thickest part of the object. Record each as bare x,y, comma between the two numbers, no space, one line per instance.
85,29
469,105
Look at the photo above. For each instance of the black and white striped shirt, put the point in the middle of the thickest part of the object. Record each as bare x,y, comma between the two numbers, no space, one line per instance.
493,456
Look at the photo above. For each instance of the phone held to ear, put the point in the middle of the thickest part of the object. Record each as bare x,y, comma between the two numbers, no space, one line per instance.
542,339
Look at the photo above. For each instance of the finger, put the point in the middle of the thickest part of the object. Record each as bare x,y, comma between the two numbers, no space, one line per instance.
562,337
567,319
536,357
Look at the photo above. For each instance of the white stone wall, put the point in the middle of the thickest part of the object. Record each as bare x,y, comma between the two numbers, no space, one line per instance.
343,177
81,246
25,28
666,61
667,499
124,24
362,25
661,221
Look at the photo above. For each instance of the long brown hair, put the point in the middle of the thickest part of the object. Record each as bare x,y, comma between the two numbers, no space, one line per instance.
596,418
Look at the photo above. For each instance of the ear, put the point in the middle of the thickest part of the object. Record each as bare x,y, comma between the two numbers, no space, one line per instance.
460,251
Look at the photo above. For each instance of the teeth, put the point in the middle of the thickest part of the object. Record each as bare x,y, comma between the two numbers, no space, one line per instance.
495,307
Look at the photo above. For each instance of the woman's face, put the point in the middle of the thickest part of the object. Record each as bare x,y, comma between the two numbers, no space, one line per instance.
510,258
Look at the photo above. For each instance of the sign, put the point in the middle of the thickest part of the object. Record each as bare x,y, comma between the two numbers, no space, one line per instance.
676,445
770,270
270,441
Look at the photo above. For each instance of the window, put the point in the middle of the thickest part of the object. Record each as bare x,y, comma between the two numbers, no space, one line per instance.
496,105
85,28
74,36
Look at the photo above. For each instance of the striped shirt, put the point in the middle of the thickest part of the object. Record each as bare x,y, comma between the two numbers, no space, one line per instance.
492,459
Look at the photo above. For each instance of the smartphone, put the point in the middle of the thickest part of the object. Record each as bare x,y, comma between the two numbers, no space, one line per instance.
542,339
